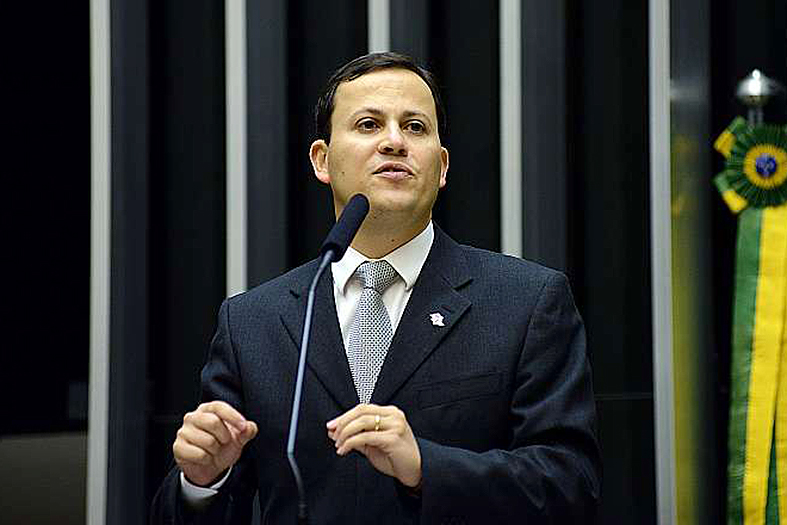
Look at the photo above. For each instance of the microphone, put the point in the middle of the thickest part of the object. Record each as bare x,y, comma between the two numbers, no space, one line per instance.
343,232
336,243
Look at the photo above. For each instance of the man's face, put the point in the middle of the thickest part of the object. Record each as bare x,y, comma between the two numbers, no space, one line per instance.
384,144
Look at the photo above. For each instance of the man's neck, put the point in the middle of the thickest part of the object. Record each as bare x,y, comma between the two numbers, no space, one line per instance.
376,239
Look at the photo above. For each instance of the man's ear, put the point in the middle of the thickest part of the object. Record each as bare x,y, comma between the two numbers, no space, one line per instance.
318,153
443,167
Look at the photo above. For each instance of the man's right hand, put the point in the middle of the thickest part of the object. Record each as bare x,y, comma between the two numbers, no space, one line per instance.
211,441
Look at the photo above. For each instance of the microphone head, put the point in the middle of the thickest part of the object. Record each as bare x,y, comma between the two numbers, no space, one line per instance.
346,227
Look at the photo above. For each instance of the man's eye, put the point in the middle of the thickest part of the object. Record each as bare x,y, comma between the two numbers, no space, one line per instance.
416,127
367,125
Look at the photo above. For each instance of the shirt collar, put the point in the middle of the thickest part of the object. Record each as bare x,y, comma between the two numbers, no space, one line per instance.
407,260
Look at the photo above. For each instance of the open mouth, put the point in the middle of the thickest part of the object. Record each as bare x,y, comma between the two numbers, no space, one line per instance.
394,170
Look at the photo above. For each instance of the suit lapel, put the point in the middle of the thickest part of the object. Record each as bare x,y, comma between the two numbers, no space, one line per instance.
418,333
326,356
417,336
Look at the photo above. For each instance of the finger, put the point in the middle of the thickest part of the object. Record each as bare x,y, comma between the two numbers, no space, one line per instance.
355,412
200,438
210,423
342,419
185,452
224,411
359,442
248,434
364,423
392,413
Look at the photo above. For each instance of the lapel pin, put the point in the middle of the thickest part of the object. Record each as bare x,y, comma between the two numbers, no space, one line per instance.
437,319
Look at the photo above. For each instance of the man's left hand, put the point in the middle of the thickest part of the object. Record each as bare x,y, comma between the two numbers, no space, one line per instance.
383,435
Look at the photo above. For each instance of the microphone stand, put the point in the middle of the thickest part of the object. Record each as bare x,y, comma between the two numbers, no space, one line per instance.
339,238
296,402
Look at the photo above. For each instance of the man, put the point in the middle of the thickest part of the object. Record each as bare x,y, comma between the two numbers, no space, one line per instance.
466,399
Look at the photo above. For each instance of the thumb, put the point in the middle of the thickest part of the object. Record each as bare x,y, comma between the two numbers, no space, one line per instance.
248,433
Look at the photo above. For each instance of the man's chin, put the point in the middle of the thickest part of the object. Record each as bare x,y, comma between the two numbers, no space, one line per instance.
391,204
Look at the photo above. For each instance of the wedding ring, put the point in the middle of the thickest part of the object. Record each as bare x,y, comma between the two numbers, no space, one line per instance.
377,422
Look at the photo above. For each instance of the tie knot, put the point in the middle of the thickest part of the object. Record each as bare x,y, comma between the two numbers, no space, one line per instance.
377,275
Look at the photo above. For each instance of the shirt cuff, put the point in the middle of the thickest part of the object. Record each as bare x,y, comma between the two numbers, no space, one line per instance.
196,495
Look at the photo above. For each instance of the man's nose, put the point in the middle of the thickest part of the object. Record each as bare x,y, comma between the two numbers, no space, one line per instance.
392,142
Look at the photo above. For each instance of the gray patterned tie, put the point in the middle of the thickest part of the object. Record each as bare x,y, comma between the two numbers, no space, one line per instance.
370,331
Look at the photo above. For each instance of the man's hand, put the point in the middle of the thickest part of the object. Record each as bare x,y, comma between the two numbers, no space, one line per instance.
211,441
383,435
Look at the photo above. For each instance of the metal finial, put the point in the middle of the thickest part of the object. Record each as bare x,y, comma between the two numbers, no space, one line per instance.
754,91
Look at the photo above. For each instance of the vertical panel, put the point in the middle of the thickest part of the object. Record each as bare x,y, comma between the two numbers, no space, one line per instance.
697,472
187,211
321,37
465,54
609,189
379,25
661,258
99,261
609,238
511,128
409,20
268,128
235,35
129,327
627,490
544,132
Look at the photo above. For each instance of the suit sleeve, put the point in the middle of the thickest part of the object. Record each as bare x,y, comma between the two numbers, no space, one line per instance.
221,380
550,472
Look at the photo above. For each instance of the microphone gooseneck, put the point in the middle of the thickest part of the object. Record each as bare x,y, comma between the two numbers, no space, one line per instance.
336,243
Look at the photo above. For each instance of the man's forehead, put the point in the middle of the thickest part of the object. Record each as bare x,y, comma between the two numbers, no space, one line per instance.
384,84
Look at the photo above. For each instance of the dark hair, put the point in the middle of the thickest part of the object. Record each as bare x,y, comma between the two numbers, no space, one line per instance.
361,66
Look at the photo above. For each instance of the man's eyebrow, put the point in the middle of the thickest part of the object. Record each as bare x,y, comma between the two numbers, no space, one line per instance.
411,113
373,111
378,112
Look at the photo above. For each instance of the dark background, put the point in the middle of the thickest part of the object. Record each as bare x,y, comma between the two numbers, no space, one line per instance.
169,157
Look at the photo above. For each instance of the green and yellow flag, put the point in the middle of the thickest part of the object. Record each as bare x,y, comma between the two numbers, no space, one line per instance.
754,186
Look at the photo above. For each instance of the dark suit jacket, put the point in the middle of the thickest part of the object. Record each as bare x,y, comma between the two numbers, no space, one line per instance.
499,399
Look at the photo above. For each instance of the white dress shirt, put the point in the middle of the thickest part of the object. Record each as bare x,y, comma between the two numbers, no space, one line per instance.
407,260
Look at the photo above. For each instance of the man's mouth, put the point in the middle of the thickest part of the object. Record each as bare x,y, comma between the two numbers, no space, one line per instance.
394,170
